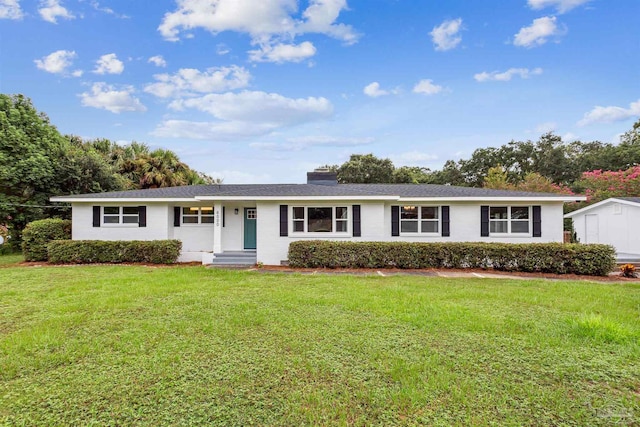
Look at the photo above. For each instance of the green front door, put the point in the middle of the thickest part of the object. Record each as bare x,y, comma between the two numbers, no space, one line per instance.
250,215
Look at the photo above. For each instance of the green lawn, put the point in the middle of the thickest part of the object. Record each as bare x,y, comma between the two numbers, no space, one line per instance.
133,345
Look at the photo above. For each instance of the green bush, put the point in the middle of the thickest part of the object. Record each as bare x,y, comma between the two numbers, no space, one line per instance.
594,260
37,235
101,251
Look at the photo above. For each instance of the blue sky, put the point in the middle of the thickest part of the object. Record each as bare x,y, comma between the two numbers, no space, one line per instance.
256,91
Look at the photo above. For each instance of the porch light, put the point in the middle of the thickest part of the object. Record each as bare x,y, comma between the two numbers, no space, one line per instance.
235,211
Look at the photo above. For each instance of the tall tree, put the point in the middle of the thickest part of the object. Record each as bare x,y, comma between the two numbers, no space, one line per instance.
366,169
31,159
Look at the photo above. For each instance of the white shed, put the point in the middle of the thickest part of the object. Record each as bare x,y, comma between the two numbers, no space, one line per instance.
614,221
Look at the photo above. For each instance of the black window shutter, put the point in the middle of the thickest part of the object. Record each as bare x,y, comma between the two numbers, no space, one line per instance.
223,216
537,221
176,216
357,231
142,216
395,220
446,229
484,221
96,216
284,222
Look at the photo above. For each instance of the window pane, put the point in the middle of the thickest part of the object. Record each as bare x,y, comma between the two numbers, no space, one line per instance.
429,212
341,226
498,226
298,226
108,219
498,213
519,226
409,226
111,210
320,220
341,213
207,219
298,213
130,210
189,219
429,226
521,212
409,212
130,219
190,211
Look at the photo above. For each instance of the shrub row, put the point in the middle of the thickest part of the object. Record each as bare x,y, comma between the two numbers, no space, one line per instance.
37,235
595,260
98,251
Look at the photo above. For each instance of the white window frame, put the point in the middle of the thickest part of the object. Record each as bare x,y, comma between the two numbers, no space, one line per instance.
334,221
509,220
419,220
120,215
198,214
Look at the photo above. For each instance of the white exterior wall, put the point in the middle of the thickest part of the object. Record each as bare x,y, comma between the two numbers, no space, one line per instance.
376,226
156,229
617,226
272,249
233,230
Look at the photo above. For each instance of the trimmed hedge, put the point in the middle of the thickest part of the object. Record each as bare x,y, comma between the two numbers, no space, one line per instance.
37,235
101,251
559,258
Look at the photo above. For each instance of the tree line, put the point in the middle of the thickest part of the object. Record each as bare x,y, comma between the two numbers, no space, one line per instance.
597,169
37,162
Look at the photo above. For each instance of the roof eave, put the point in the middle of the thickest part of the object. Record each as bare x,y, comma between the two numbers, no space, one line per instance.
601,203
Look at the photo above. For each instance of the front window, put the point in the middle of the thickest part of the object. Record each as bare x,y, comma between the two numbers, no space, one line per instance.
419,219
320,219
509,219
197,215
120,215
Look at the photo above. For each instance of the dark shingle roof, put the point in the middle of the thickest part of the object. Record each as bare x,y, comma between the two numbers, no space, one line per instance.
309,190
629,199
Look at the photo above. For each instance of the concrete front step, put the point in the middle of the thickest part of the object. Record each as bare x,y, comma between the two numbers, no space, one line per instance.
235,258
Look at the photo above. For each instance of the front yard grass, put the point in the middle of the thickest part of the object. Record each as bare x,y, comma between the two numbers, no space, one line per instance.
135,345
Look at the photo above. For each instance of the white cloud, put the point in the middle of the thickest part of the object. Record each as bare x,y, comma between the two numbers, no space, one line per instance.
373,90
189,81
427,87
259,107
538,32
505,76
570,137
306,142
413,158
10,9
561,6
280,52
262,20
222,49
446,36
610,114
211,131
109,64
158,61
244,114
58,62
546,127
107,10
111,99
51,10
